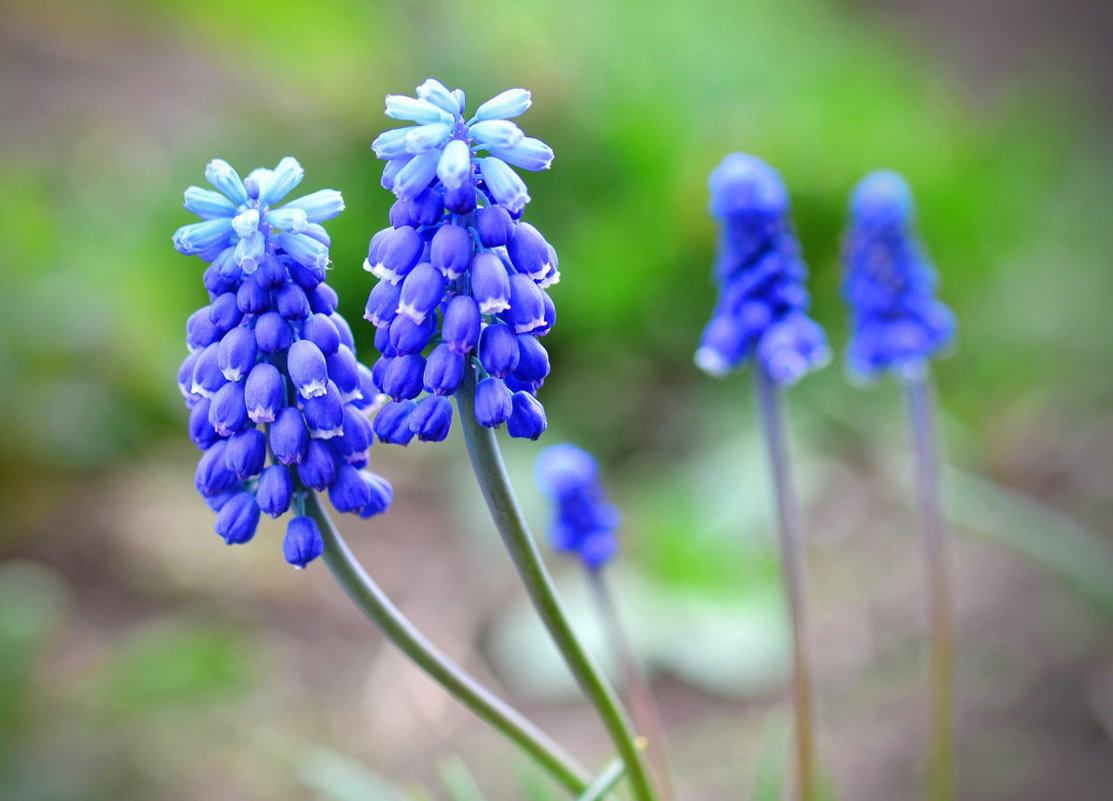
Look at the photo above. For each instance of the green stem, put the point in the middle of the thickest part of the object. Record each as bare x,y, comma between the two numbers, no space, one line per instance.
489,469
793,568
400,631
604,782
941,661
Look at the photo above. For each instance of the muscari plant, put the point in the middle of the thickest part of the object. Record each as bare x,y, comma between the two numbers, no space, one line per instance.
284,411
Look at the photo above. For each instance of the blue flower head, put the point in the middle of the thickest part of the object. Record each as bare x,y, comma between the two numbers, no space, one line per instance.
761,313
584,523
462,279
278,403
896,322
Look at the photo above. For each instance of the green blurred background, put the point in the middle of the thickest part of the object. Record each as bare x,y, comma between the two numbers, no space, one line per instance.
140,659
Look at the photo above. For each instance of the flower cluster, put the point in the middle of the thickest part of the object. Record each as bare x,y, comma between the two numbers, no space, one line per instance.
889,284
761,313
584,522
461,275
272,374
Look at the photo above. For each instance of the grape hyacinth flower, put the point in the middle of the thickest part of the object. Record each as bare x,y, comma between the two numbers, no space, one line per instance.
462,279
761,313
584,522
896,322
278,403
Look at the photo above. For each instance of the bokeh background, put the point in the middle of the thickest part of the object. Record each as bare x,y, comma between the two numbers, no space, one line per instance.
140,658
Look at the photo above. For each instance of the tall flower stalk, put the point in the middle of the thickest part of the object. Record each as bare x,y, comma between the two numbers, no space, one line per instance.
897,326
761,318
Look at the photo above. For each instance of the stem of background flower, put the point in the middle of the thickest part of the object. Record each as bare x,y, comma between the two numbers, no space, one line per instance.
793,568
941,669
466,689
490,471
639,693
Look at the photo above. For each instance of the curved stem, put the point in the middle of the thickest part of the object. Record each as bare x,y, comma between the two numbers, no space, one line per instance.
941,664
604,782
466,689
489,469
793,567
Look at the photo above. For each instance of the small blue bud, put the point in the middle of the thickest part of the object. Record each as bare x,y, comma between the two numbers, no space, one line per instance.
201,431
527,417
462,323
185,376
496,134
304,249
406,336
228,414
392,423
307,368
505,185
323,299
382,342
289,438
252,298
395,254
723,345
382,304
236,353
435,92
367,388
527,305
272,332
454,165
357,434
321,331
302,543
394,166
196,238
451,250
200,330
291,302
423,138
318,469
246,453
432,418
427,208
382,494
416,175
286,176
348,492
401,107
529,252
378,370
494,226
462,199
275,490
391,145
207,377
217,283
791,347
319,206
308,278
498,350
403,378
250,252
264,393
324,414
238,518
288,218
444,370
493,403
224,177
343,369
421,293
529,154
212,476
399,215
207,204
272,273
533,360
490,284
217,502
504,105
225,313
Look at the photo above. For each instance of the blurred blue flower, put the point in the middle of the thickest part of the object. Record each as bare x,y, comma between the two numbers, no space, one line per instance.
459,273
584,523
272,374
762,306
896,322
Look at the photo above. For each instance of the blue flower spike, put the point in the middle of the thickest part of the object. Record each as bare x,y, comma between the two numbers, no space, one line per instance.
459,273
584,522
896,323
271,380
761,312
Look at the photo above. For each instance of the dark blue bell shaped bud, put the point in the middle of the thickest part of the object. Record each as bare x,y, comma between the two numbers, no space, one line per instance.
307,368
382,304
217,283
461,199
302,543
185,376
432,418
493,403
321,331
395,254
246,453
367,387
238,518
529,252
252,298
498,350
348,491
292,303
533,360
382,494
275,490
212,476
271,273
404,377
323,299
422,290
307,278
318,469
324,414
378,370
201,431
427,208
289,438
225,313
236,353
494,226
407,337
216,502
444,371
344,330
490,284
272,332
392,423
550,315
451,250
228,414
356,436
462,323
527,305
200,330
207,377
343,369
400,214
527,417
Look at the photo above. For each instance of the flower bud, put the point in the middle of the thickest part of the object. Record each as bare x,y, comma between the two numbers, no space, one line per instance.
238,518
323,299
275,490
324,414
228,414
444,371
207,378
381,495
392,423
321,331
272,333
271,273
302,543
493,403
291,302
462,322
490,285
200,330
422,290
498,350
527,418
527,305
212,476
403,378
529,252
432,418
343,369
289,438
348,492
201,431
252,298
246,453
427,208
344,330
494,226
382,304
396,254
263,393
318,469
224,313
451,250
407,337
533,360
236,353
307,368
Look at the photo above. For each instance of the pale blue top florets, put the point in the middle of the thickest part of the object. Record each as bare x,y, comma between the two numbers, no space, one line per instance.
446,145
